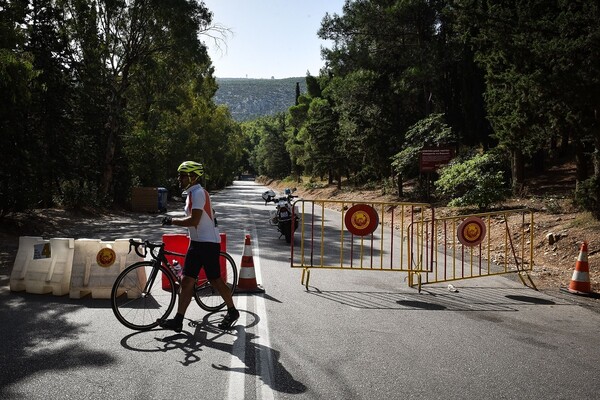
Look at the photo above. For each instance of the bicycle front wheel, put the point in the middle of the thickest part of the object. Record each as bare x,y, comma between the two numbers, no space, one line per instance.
207,297
138,299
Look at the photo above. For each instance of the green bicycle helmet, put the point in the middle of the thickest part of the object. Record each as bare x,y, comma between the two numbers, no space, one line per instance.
191,167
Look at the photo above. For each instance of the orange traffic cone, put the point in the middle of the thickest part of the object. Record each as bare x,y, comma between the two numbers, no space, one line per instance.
247,280
580,282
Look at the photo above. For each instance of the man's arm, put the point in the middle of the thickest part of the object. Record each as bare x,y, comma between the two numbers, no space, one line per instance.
192,220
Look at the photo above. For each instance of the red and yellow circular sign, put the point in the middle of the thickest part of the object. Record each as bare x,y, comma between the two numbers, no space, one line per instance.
471,231
361,219
106,257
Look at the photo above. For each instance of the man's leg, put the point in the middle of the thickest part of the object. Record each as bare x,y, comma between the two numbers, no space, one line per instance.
185,297
223,290
232,313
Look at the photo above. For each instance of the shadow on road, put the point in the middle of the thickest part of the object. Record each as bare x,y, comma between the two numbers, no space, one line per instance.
206,335
38,337
440,299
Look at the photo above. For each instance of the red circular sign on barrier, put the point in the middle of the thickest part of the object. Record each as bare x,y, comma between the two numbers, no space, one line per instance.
471,231
106,257
361,219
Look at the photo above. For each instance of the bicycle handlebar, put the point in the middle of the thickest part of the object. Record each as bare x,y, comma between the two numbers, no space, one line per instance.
149,247
136,245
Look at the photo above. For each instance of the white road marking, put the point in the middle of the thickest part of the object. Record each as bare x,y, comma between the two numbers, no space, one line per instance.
237,380
264,381
264,386
263,378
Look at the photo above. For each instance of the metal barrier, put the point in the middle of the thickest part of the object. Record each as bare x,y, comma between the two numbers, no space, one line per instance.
410,238
438,255
327,243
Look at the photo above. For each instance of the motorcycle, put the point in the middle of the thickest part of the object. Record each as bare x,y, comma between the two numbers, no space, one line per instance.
282,215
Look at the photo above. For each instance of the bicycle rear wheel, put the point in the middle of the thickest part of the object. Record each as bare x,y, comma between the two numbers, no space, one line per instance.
207,297
138,299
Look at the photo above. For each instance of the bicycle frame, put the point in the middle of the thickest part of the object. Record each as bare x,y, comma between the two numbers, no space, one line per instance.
136,293
157,260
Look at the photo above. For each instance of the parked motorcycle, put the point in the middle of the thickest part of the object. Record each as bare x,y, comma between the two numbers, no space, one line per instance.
282,215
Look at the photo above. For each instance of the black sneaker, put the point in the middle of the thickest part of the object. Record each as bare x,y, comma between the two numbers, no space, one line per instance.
230,318
170,324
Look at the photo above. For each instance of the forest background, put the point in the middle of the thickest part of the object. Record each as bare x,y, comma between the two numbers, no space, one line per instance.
102,96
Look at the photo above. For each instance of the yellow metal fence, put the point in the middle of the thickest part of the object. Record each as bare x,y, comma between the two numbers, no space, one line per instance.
437,255
326,243
411,239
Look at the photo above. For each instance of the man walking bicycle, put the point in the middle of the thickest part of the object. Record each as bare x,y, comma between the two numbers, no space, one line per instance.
204,248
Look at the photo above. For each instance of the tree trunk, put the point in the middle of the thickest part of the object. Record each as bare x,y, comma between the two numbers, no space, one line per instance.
109,157
553,151
539,161
581,161
564,144
113,128
596,155
596,161
517,171
400,183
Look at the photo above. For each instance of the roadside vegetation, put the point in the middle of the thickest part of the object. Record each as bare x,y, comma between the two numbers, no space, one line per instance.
102,96
512,88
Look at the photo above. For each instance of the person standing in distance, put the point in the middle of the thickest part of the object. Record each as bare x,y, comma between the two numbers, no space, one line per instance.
204,248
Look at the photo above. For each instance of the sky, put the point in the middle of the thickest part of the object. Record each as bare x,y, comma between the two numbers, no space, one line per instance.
270,38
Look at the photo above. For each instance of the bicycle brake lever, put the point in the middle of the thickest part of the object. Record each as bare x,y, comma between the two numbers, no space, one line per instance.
131,245
135,247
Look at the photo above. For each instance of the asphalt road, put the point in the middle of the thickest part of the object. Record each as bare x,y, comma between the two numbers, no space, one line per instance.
353,335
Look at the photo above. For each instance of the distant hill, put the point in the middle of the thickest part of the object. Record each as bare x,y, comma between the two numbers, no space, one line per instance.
248,99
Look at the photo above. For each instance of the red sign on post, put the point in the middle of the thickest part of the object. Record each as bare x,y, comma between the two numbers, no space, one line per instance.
432,158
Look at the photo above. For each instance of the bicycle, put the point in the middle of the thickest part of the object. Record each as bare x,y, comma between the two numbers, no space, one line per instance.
139,298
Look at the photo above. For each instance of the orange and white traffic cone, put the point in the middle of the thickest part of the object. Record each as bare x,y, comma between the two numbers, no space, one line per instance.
247,279
580,282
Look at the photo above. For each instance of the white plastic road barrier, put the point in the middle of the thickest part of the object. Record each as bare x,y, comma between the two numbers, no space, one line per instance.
96,265
43,266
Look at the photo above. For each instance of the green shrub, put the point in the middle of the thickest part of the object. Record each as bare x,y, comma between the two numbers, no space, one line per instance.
77,194
553,205
587,196
477,181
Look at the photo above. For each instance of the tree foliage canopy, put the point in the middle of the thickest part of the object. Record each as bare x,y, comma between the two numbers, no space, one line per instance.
100,96
516,78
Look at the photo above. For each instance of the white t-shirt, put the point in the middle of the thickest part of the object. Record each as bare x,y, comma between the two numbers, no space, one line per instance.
205,231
